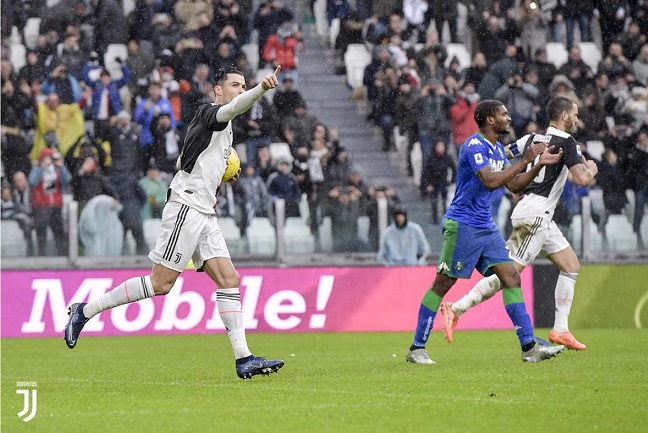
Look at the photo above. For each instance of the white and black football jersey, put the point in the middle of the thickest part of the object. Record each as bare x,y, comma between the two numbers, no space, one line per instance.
202,160
542,194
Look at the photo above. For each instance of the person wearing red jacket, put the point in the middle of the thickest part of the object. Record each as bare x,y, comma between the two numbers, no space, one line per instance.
462,119
281,49
48,181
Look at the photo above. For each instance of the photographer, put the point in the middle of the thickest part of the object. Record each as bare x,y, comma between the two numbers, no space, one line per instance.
520,98
404,243
48,181
63,84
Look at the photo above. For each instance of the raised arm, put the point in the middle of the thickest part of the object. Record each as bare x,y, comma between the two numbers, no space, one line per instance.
246,100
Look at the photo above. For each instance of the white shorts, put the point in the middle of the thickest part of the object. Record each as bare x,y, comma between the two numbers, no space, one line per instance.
187,234
532,237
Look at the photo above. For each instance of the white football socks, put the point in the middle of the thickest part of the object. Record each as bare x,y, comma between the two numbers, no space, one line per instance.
564,296
229,309
132,290
484,289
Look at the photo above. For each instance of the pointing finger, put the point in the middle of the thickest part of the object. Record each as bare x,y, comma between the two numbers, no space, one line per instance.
276,72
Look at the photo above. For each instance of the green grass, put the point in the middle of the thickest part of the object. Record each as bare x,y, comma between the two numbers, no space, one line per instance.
331,383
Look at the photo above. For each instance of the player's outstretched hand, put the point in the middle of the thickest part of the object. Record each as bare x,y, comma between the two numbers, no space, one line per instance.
271,81
236,176
549,157
530,152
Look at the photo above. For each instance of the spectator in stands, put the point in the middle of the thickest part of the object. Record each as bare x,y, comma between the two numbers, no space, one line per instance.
546,69
252,194
579,11
89,181
263,162
69,53
230,13
378,64
533,27
33,69
344,207
351,26
165,33
612,182
442,11
434,179
476,71
615,64
578,72
631,41
520,98
301,171
155,184
187,13
592,117
24,210
85,146
64,85
404,243
337,170
383,110
462,114
106,101
110,25
124,144
141,64
57,125
286,98
431,59
282,184
100,231
406,117
640,65
267,20
637,107
498,73
638,176
281,49
132,197
489,37
561,86
301,122
15,148
611,15
434,116
418,18
166,143
48,181
146,110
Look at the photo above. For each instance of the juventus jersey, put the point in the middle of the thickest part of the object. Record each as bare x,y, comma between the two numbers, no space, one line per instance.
202,161
542,194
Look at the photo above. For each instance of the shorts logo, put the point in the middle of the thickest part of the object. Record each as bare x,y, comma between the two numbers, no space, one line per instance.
30,405
177,258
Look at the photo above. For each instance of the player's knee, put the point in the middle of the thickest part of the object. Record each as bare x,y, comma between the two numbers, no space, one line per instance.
511,280
231,280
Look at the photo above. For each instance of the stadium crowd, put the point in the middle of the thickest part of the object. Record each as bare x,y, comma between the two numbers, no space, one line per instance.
73,124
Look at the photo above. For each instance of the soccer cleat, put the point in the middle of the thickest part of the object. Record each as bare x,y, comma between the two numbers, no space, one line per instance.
566,339
256,366
539,353
450,320
75,324
419,356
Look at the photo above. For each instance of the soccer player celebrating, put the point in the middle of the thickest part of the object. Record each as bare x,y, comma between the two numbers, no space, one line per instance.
471,238
534,231
189,224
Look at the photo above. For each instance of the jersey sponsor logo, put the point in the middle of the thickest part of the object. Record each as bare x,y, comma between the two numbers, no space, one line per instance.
474,142
479,159
496,165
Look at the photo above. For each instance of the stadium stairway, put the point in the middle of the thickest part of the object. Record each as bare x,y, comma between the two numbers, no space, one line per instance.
329,99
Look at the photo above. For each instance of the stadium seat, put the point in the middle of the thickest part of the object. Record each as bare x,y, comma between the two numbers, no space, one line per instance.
251,52
619,234
557,53
595,148
334,31
261,237
280,150
18,53
304,208
400,140
31,32
459,51
326,235
112,52
356,59
596,238
129,6
596,198
295,221
363,228
417,163
52,3
13,241
152,229
590,54
232,234
298,238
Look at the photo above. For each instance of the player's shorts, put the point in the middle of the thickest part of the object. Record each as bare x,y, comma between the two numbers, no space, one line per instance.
532,237
466,248
187,234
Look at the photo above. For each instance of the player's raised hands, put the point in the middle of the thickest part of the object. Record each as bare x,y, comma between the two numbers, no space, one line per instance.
271,81
549,157
535,149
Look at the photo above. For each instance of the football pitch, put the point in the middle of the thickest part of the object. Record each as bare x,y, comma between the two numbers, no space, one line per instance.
331,383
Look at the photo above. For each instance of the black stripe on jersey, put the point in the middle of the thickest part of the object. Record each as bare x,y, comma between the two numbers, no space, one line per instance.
199,135
527,240
175,234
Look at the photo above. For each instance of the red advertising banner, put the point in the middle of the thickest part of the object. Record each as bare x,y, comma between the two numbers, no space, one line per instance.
329,299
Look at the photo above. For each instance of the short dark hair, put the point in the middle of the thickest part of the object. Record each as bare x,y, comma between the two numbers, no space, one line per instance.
487,108
221,74
557,106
